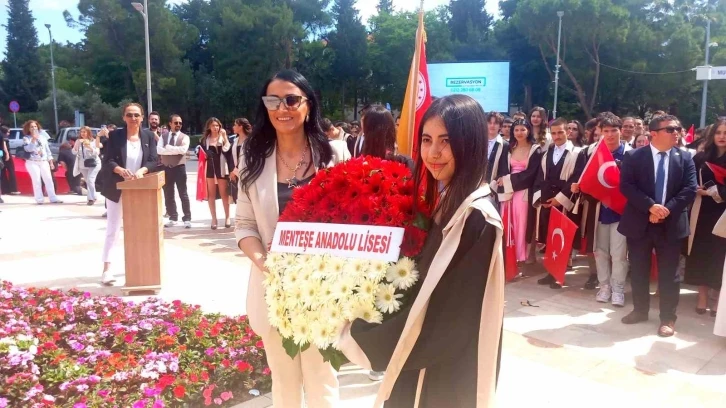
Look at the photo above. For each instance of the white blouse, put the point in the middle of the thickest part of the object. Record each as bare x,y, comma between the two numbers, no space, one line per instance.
134,156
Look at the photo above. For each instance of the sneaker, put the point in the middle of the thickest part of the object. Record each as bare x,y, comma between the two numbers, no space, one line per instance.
618,299
376,375
56,202
107,278
187,224
603,295
169,224
591,283
15,193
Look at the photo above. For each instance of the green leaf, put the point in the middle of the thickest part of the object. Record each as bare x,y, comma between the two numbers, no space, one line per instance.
335,357
290,347
422,222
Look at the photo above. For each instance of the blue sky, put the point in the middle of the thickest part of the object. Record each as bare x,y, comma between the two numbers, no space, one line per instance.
51,12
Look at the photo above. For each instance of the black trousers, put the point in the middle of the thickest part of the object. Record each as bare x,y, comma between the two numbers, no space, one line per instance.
9,183
667,254
176,176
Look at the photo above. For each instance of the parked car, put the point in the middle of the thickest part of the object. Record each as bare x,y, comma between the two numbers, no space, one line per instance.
63,135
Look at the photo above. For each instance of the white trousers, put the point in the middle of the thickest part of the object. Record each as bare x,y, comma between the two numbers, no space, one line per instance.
90,176
40,169
611,257
307,377
114,219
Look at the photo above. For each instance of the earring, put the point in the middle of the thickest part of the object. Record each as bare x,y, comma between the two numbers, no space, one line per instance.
307,118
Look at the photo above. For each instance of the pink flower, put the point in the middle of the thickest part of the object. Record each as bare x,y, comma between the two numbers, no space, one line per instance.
218,401
158,404
227,395
79,405
207,401
139,404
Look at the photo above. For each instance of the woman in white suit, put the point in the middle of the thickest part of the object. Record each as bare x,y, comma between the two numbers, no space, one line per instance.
285,149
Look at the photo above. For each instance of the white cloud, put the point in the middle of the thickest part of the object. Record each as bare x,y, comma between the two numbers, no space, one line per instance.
367,8
46,5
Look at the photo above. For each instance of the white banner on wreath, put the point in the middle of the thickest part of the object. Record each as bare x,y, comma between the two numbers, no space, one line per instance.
345,240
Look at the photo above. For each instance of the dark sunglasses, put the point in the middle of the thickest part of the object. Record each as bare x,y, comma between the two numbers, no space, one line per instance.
176,123
133,115
292,102
670,129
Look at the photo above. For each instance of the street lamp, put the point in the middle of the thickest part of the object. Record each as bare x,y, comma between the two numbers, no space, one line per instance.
52,75
144,10
557,65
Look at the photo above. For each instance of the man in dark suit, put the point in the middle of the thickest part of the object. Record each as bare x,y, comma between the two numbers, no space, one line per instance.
659,182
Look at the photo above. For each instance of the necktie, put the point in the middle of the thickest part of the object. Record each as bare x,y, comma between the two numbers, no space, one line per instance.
171,139
660,178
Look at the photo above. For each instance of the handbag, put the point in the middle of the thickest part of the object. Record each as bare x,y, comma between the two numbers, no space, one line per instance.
87,162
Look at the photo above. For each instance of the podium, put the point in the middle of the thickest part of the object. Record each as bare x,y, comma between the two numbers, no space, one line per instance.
143,232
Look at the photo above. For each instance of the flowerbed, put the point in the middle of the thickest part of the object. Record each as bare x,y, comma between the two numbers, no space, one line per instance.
71,349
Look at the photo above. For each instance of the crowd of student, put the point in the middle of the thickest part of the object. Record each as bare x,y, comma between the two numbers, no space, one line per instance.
537,167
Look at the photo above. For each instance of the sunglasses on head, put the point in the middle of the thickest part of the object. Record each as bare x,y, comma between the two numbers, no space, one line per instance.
133,115
670,129
292,102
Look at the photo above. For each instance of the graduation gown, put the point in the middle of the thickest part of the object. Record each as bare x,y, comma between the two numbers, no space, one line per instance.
496,166
444,349
523,180
706,251
586,206
552,182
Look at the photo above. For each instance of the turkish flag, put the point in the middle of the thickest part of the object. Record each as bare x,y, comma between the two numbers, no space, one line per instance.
560,234
691,134
423,95
510,250
718,172
202,176
601,179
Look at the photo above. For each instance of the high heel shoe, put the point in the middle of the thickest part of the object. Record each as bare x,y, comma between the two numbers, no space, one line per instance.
713,313
214,225
700,311
227,223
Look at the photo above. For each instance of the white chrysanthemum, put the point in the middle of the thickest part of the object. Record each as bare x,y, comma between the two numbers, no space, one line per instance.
332,313
387,299
377,270
288,260
303,258
310,293
300,330
322,334
367,290
356,267
334,267
294,298
402,274
319,264
277,313
273,258
285,328
291,279
364,310
272,279
325,294
342,288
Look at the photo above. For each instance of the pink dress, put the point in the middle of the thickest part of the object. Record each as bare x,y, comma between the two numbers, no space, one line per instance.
520,208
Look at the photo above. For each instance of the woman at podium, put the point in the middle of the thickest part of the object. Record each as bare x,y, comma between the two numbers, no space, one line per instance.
130,153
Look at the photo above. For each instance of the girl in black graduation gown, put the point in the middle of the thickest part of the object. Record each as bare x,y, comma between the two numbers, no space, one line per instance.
704,265
453,150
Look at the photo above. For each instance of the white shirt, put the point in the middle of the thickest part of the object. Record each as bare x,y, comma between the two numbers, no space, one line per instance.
359,143
656,163
558,152
134,156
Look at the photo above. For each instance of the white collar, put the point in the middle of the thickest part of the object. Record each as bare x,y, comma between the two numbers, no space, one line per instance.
656,151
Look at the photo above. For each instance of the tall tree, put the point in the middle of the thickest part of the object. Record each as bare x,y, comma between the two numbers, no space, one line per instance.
469,23
385,6
25,79
349,41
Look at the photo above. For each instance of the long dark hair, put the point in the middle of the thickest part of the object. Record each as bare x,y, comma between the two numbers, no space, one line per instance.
541,137
261,142
380,131
246,126
710,149
530,135
466,126
580,139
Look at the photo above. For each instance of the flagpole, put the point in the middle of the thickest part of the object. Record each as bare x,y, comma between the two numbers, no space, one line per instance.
413,84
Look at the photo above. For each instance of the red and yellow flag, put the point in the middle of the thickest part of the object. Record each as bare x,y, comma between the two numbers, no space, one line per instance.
418,96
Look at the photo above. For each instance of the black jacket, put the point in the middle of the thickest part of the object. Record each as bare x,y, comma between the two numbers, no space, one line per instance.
115,156
637,183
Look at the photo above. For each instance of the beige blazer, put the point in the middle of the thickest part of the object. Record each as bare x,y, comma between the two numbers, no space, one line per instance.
491,314
256,216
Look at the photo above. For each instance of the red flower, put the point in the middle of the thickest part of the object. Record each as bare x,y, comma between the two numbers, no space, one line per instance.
129,337
179,391
260,344
225,363
166,380
243,366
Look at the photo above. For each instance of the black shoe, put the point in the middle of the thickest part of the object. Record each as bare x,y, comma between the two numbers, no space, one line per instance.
547,280
634,317
555,286
592,282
